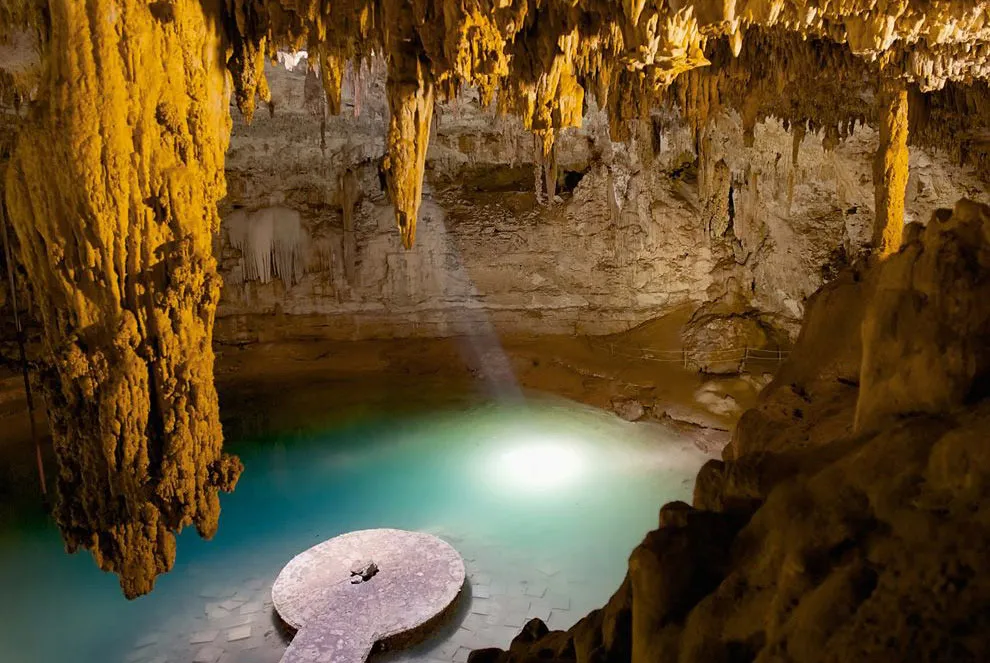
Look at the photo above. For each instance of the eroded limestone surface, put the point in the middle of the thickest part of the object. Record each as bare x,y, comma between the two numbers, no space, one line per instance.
749,214
338,620
816,540
112,192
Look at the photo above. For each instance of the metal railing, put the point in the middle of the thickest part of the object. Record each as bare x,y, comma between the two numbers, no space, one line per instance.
684,356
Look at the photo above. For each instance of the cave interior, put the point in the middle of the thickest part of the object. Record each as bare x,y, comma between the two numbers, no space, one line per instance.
669,319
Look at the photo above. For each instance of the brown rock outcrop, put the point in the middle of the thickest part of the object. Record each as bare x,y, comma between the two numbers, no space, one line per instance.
925,333
823,544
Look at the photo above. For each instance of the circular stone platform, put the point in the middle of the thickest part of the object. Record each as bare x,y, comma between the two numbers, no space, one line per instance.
418,577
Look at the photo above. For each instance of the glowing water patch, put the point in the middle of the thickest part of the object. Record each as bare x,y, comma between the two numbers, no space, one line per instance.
540,465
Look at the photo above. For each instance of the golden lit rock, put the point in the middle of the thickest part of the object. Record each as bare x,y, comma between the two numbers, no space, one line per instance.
539,58
112,193
890,171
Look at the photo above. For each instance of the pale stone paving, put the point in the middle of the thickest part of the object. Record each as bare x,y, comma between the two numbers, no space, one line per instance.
419,576
496,603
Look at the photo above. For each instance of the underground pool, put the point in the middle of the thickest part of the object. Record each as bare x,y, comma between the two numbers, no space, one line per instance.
543,498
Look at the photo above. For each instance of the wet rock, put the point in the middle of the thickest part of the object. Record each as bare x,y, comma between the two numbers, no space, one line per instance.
715,400
363,570
674,514
531,632
629,409
925,332
490,655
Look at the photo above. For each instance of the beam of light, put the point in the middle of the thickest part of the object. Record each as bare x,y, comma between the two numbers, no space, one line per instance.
480,346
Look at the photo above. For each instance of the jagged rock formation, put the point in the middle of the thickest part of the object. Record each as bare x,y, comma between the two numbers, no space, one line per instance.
924,335
808,543
541,57
112,192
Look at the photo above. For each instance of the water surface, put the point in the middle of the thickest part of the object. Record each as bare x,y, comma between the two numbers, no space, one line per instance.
544,498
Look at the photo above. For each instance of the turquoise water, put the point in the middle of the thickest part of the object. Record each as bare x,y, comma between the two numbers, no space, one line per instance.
544,499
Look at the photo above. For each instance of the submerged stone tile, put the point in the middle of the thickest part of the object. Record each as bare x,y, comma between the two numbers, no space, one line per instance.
203,637
446,650
208,654
147,640
481,606
137,656
561,620
251,607
239,633
516,618
536,589
539,609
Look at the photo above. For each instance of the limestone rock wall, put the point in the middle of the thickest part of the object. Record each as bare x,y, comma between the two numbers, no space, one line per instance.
636,229
826,542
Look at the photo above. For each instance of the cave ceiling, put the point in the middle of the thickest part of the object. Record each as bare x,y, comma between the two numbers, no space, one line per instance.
817,64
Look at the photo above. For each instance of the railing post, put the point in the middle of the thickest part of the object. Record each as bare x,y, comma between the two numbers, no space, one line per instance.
21,341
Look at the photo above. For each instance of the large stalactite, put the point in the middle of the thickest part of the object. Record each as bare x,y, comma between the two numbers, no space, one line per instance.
890,170
410,100
112,191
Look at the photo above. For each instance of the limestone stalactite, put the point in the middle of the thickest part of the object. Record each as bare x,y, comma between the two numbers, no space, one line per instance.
112,191
890,170
539,58
410,89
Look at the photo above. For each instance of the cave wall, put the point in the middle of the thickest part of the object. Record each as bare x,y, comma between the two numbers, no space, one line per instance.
848,520
635,230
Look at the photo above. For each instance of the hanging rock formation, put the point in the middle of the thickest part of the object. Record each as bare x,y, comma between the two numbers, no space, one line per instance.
112,193
891,168
542,56
410,100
